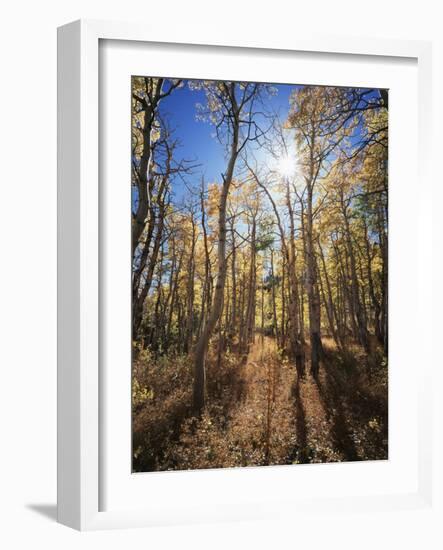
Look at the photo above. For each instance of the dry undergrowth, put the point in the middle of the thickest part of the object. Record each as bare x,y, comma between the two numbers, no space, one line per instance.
257,412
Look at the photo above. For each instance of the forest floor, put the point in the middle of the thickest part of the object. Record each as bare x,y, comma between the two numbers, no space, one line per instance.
259,413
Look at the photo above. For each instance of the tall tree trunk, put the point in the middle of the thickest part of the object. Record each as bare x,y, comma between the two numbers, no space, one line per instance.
347,297
384,282
233,320
174,293
294,307
206,292
149,111
283,305
375,302
190,289
276,332
155,322
217,306
141,297
355,291
250,311
312,289
328,301
156,222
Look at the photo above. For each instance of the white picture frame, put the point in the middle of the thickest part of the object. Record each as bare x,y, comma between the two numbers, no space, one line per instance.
79,256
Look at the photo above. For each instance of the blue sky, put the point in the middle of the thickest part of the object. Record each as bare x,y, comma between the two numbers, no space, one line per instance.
197,142
196,137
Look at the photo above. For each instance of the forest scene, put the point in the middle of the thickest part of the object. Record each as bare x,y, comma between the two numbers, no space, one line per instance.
259,274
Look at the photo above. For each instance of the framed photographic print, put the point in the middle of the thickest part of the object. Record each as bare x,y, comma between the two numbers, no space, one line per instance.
238,230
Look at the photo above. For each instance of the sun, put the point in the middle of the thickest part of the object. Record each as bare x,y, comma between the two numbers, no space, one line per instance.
286,166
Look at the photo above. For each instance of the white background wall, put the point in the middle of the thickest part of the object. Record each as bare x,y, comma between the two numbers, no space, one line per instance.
28,268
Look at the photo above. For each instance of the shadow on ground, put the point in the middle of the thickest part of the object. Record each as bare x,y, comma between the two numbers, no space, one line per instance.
49,511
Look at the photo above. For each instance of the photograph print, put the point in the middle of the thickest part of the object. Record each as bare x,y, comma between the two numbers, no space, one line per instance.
259,274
